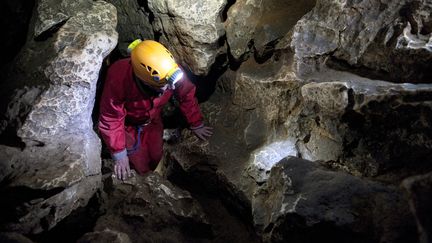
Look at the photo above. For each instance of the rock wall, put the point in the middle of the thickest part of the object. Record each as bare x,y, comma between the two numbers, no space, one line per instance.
388,40
343,86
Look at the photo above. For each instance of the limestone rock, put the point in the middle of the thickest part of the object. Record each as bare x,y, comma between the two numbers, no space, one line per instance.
261,24
249,135
191,30
368,126
50,155
370,38
304,202
149,208
134,22
52,14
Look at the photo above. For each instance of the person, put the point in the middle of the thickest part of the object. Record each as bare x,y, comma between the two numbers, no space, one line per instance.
135,90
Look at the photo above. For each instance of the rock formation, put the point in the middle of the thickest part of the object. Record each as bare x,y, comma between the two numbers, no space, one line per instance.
50,165
321,111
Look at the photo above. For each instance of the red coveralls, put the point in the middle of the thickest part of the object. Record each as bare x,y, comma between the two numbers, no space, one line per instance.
124,108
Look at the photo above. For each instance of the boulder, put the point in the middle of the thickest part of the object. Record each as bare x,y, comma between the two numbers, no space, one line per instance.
148,208
304,202
192,30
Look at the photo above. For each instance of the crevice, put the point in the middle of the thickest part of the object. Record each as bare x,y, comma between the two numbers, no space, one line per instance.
74,226
10,138
151,17
50,32
14,21
229,214
342,65
224,15
15,202
427,28
267,52
407,14
206,85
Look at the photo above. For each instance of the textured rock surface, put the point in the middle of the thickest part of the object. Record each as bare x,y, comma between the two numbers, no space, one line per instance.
261,24
304,202
148,209
292,104
105,235
380,126
192,29
372,38
285,99
49,114
14,238
134,21
419,190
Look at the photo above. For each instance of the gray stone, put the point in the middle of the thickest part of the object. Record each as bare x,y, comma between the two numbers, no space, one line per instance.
133,22
51,13
261,24
106,235
367,126
304,202
11,237
57,168
191,30
249,132
149,209
371,38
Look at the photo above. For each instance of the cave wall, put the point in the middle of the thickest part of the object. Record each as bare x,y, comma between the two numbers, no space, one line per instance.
342,86
50,154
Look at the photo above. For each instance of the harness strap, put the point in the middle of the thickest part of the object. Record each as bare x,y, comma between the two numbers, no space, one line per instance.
138,142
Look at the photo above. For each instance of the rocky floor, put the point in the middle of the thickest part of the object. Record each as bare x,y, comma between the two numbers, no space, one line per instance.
156,209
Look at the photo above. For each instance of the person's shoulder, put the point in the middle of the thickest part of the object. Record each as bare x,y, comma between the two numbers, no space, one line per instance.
121,63
119,70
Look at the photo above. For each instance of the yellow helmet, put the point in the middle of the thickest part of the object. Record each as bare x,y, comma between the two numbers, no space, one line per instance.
154,64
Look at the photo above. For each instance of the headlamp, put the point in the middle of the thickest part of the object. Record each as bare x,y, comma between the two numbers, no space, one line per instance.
174,75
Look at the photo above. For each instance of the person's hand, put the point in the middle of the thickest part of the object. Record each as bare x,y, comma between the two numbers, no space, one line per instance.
202,132
121,168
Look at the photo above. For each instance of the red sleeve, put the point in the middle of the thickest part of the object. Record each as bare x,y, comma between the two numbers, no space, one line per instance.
112,111
185,93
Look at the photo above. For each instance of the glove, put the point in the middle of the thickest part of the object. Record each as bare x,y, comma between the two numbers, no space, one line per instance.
122,169
202,132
